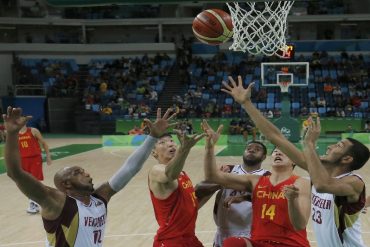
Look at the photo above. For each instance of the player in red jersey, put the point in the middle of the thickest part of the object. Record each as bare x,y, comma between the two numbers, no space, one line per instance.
172,193
29,141
273,199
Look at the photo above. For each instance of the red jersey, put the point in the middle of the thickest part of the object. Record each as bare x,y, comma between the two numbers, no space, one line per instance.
28,144
270,214
177,214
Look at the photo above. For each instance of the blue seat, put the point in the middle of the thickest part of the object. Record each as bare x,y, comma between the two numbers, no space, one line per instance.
364,105
296,105
322,111
205,96
229,101
270,105
261,106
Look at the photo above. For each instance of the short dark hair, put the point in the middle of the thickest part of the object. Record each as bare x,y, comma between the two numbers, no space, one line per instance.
260,143
359,152
165,135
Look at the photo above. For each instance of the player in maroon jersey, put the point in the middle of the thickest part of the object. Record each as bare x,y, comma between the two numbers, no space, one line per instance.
273,200
172,193
29,141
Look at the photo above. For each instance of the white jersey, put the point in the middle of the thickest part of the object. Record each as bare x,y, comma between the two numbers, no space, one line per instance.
335,221
235,221
79,225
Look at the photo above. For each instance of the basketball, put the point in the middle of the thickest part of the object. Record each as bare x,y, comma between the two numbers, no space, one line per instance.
213,26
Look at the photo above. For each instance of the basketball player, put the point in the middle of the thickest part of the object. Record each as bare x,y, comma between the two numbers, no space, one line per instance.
235,219
338,195
29,141
172,193
272,204
75,213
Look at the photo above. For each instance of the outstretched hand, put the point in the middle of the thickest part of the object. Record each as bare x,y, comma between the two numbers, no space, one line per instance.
161,124
291,192
188,141
313,131
14,120
212,136
237,91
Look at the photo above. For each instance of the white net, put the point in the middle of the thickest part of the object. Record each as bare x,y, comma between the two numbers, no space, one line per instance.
284,86
260,27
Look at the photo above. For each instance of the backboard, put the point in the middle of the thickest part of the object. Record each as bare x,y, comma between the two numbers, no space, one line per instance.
294,73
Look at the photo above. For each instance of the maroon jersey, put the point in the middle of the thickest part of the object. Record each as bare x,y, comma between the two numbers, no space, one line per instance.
270,214
176,215
28,144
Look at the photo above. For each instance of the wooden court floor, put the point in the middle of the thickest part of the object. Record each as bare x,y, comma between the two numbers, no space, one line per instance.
131,220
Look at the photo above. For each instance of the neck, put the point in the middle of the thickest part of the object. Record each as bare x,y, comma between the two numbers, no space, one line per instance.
334,170
280,174
250,168
85,199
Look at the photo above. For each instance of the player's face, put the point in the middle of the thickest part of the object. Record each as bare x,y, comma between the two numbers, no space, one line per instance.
253,154
336,151
165,149
280,159
80,180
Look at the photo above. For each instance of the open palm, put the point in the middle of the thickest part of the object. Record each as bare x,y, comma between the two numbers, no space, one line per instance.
13,119
237,91
161,124
188,141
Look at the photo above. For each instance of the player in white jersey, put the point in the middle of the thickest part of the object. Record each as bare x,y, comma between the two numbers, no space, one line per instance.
74,214
338,194
235,220
338,201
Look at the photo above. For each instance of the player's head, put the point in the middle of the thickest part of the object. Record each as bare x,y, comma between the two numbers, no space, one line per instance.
73,180
255,152
279,159
348,152
165,149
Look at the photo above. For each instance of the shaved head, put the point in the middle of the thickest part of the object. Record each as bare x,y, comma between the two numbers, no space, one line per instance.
60,177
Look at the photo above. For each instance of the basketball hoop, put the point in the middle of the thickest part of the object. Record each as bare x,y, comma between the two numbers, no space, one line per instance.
260,28
284,86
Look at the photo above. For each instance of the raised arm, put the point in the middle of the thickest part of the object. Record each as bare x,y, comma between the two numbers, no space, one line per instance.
214,175
136,160
299,203
349,186
36,133
204,190
270,131
50,199
168,173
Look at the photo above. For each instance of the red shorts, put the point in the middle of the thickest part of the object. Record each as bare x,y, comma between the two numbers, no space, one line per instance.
240,242
33,165
178,242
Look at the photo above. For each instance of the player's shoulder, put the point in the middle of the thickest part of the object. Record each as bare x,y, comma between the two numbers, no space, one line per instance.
34,130
303,182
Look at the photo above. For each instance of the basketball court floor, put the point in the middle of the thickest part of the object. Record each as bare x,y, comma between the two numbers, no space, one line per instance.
131,219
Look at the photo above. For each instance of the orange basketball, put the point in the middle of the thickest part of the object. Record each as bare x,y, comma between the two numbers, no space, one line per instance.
213,26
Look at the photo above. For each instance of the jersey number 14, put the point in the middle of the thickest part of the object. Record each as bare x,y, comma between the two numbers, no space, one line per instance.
268,211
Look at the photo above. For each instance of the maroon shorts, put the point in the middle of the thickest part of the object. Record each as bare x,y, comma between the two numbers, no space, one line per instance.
178,242
33,165
240,242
